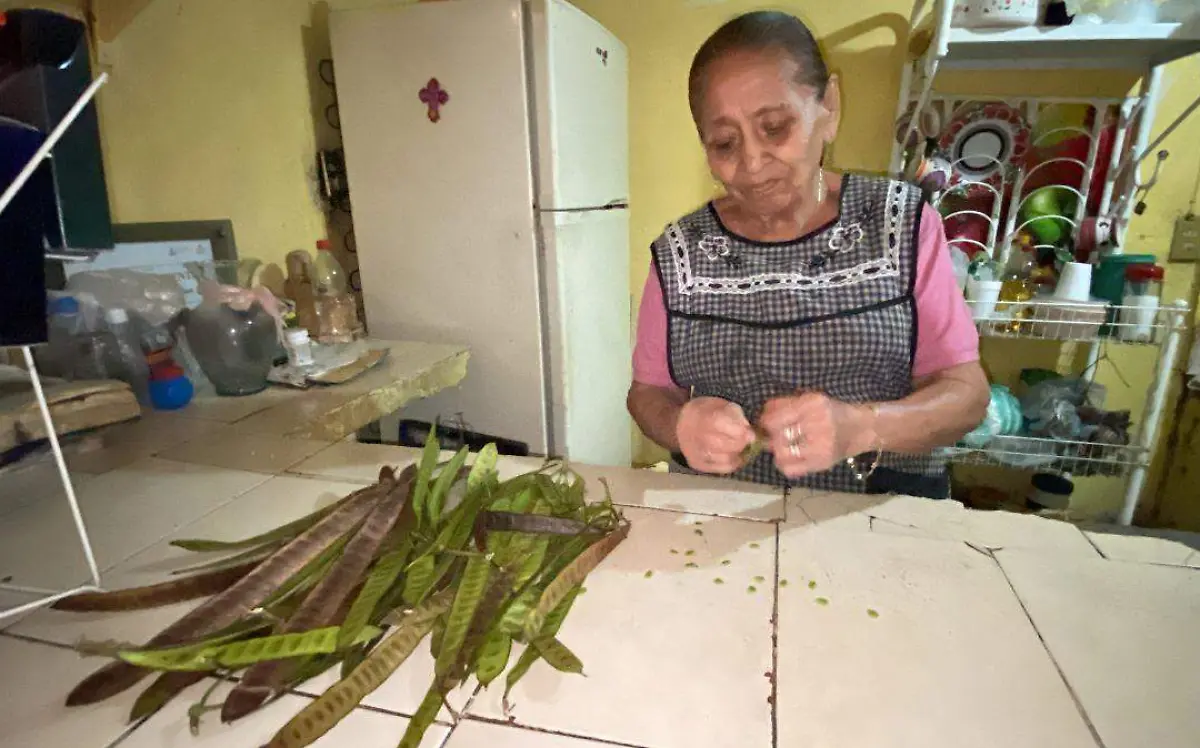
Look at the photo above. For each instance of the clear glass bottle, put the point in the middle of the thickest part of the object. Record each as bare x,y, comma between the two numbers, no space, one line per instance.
1017,284
128,363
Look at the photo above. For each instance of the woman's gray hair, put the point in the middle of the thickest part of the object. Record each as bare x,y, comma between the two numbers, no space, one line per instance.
761,31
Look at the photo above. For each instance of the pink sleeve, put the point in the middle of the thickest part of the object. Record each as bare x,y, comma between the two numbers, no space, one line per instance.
946,334
650,351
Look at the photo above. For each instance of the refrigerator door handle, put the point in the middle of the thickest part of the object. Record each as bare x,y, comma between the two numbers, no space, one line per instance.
610,205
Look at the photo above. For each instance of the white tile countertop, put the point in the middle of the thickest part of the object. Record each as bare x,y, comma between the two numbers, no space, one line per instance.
732,617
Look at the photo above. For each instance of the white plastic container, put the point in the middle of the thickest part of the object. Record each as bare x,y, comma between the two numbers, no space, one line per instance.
300,352
1139,312
1075,282
983,295
1005,14
1140,302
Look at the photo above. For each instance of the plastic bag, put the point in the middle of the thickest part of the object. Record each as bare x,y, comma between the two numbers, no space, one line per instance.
1052,408
153,297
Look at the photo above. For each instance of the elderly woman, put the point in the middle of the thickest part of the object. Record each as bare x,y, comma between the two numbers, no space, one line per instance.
813,313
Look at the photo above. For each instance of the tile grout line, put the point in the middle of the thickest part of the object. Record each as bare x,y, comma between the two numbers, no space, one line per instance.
775,649
175,530
547,731
458,719
191,463
1092,543
1087,720
129,730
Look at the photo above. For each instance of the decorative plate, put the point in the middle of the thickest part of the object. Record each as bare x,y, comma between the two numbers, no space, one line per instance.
983,141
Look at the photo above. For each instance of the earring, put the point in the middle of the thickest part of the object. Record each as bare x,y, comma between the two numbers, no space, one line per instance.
820,185
718,187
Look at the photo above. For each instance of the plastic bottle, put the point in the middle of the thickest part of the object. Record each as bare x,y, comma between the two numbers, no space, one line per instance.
329,277
55,359
65,316
128,362
337,314
77,352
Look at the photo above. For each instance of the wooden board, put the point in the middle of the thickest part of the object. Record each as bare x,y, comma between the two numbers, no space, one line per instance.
74,406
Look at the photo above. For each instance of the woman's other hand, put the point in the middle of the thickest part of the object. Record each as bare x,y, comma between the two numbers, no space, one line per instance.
812,432
712,434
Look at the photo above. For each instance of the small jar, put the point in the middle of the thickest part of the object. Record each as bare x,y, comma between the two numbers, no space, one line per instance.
1140,303
299,347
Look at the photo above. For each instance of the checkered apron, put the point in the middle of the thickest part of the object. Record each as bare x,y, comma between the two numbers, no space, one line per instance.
832,312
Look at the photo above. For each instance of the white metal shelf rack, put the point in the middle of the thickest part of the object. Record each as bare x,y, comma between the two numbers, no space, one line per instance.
1140,48
44,596
1028,321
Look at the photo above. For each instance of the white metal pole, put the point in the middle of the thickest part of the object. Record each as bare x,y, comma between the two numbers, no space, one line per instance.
896,167
1093,361
1151,85
59,461
1033,110
51,141
941,38
1175,316
1089,171
1166,133
1124,122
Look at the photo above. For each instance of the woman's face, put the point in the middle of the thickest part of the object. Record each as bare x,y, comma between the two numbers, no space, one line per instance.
764,132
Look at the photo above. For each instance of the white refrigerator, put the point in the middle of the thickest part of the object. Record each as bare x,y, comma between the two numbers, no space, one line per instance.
488,161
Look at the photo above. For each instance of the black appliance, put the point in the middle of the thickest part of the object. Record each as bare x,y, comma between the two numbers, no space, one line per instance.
44,67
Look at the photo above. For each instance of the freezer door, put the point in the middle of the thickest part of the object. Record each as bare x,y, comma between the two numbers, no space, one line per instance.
442,193
588,272
582,77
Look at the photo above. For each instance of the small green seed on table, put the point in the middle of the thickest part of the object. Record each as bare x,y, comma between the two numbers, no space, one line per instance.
872,613
822,601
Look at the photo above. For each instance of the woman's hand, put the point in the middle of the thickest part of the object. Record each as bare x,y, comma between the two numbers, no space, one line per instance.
712,434
812,432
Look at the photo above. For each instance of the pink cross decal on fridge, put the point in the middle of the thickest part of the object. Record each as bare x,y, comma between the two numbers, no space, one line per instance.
434,97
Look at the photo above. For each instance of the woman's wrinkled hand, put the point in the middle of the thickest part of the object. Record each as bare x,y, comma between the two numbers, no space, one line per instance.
712,434
812,432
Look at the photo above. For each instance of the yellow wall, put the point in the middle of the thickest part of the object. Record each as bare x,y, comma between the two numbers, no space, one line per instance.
214,111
